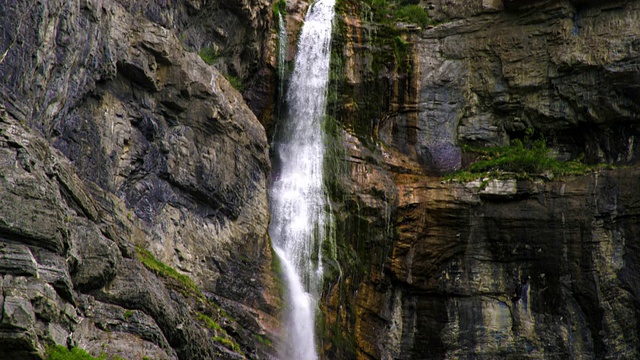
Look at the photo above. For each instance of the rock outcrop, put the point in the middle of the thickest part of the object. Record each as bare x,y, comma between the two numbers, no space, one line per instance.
116,145
487,269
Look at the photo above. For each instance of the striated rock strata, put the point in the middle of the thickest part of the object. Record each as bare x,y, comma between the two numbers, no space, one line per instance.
488,269
115,139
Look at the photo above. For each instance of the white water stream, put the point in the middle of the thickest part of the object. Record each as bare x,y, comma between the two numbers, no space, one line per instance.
298,201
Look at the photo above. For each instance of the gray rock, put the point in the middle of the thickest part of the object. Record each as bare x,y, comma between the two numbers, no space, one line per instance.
17,260
112,136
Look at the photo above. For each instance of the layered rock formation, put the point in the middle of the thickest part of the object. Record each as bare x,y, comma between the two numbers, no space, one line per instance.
114,139
117,143
496,269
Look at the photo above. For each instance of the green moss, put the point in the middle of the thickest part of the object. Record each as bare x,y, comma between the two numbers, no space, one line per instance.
263,340
228,343
209,322
62,353
380,9
158,267
128,314
401,48
387,12
209,55
58,352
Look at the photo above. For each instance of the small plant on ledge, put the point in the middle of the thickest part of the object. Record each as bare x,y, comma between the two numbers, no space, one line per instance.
520,160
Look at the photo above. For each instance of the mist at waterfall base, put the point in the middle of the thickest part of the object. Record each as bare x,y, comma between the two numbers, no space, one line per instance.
297,198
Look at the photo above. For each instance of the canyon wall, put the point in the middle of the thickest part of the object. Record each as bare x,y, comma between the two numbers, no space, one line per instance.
133,207
532,268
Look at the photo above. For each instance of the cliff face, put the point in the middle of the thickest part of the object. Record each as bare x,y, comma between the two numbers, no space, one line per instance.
119,145
563,68
115,139
502,269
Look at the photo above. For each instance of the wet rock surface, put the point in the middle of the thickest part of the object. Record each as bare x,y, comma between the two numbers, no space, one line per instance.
494,268
516,269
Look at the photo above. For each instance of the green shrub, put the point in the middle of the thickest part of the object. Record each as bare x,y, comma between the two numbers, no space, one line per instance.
522,159
413,14
209,55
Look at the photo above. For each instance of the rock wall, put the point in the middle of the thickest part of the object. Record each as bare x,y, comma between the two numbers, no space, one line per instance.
564,68
500,269
114,139
118,143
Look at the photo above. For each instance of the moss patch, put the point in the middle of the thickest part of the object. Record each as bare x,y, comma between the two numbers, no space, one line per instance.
160,268
279,8
263,340
389,11
414,14
209,322
228,343
62,353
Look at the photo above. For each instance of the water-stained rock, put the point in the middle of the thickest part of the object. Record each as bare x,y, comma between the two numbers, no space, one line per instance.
494,268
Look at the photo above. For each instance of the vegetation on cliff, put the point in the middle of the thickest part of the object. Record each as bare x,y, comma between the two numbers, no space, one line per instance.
62,353
522,159
385,12
160,268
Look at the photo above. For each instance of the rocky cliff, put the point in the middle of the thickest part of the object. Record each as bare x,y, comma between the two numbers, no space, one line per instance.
502,268
133,211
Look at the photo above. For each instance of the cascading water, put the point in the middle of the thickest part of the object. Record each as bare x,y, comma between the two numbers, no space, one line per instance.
283,44
298,201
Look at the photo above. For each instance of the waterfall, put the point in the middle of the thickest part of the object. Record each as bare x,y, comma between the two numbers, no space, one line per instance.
283,45
298,201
